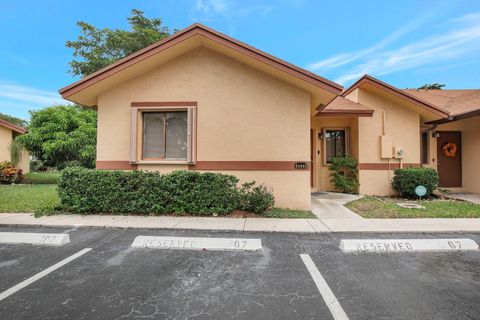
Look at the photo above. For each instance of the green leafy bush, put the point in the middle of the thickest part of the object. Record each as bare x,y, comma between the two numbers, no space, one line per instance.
256,199
61,135
406,180
344,175
139,192
9,174
16,149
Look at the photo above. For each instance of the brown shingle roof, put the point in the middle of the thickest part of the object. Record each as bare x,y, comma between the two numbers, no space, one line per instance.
456,101
344,107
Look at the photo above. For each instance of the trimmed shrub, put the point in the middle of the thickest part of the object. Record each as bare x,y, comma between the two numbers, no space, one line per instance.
256,199
9,174
406,180
344,175
100,191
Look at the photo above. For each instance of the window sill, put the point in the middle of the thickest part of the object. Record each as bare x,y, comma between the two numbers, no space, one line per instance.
162,162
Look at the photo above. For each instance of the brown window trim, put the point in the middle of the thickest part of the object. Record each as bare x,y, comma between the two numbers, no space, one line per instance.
136,137
164,104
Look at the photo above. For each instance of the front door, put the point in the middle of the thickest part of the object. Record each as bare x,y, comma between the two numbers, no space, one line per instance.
449,158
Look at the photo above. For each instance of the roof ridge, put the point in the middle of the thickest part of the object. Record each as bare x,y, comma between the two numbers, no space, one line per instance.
200,29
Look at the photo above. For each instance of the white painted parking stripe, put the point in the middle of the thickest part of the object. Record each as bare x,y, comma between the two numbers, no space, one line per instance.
197,243
406,245
41,274
327,294
45,239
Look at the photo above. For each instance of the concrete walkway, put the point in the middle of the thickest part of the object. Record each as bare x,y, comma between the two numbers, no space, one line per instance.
329,205
463,196
325,225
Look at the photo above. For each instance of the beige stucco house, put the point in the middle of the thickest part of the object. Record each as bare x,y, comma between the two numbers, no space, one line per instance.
8,132
200,100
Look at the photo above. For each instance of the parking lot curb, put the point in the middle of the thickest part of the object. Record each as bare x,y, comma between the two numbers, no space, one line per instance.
220,224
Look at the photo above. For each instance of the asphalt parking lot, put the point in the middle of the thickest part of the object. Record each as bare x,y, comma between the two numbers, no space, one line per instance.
115,281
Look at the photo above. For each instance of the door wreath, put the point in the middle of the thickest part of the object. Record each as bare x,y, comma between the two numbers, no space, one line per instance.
449,150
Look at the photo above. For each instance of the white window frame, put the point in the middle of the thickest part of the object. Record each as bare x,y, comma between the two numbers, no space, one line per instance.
136,130
347,142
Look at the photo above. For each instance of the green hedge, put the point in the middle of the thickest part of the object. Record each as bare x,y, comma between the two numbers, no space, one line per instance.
139,192
344,174
406,180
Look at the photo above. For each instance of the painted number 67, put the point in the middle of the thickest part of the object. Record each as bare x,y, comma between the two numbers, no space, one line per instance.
240,244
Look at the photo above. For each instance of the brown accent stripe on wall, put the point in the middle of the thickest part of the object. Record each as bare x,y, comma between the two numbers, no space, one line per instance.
248,165
115,165
386,166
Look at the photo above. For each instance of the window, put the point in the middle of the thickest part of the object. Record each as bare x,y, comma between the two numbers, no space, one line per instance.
424,147
163,132
336,143
165,135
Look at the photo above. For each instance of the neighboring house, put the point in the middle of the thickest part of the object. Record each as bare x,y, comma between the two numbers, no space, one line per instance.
8,132
200,100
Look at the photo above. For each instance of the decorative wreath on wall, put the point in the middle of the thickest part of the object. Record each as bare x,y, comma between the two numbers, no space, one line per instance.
449,150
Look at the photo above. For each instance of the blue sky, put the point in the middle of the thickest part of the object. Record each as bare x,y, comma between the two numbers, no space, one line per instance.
406,43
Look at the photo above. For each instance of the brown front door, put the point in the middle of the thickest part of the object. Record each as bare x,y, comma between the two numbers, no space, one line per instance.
449,158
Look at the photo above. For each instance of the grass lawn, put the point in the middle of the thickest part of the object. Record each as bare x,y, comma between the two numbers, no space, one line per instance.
27,198
41,178
288,213
383,207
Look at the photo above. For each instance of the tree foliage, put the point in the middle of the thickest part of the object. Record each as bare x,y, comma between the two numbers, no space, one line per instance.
62,135
16,149
96,48
432,86
13,120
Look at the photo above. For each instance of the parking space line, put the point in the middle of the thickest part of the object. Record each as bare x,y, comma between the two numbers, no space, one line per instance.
327,294
42,274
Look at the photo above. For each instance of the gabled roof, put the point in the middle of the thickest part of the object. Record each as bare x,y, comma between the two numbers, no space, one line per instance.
343,107
458,102
12,127
201,30
368,80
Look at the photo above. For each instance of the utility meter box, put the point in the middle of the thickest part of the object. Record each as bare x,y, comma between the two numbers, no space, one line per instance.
386,147
398,152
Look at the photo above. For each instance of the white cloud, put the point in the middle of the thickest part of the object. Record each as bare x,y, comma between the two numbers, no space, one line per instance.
228,9
27,95
206,6
452,45
461,39
345,58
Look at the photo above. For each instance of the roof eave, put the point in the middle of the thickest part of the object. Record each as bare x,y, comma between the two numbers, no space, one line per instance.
12,127
404,95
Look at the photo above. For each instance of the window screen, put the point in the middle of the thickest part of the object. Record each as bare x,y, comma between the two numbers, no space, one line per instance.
165,135
335,144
